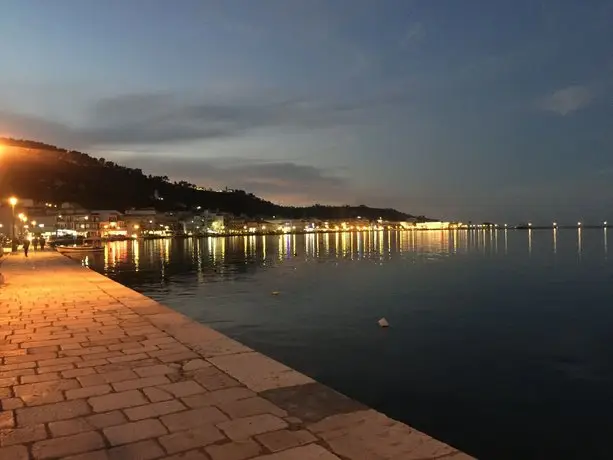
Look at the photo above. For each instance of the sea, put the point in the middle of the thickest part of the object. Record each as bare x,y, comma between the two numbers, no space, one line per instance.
500,341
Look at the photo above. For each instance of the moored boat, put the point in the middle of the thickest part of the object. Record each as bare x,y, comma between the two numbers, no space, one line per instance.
89,245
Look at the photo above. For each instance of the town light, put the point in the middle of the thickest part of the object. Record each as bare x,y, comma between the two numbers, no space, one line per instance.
136,227
578,224
12,201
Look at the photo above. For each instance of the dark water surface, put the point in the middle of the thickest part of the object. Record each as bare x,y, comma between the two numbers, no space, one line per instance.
501,343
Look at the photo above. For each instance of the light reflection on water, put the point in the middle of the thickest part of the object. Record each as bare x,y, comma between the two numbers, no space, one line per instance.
499,340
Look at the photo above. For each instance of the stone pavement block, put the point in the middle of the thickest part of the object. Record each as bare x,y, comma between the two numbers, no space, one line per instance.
194,365
40,377
213,379
135,431
142,450
69,445
24,435
157,395
11,403
7,419
251,406
215,398
235,450
369,434
14,453
107,377
158,369
154,409
95,390
181,389
201,436
34,394
284,439
68,427
243,428
312,402
71,373
113,401
310,452
107,419
52,412
140,383
191,455
258,372
193,418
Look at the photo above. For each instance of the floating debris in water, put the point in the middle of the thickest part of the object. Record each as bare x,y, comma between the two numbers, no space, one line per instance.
383,322
275,292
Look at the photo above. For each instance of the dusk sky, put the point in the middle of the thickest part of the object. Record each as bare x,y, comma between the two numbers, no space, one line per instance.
456,109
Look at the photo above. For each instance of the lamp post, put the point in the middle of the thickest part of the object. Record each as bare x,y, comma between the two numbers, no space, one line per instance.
13,202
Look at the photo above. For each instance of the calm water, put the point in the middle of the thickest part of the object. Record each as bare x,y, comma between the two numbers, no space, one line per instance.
501,343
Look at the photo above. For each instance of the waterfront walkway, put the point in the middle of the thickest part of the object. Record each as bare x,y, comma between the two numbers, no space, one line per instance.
92,370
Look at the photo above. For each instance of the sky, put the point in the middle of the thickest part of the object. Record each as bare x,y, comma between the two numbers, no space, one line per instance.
482,110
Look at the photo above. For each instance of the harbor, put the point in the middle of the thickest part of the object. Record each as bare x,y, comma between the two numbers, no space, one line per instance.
93,370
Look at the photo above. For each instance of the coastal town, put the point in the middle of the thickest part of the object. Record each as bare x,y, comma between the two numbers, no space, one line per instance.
23,218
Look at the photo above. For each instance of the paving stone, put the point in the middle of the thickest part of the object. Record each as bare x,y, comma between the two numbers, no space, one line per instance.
235,450
370,434
191,455
213,379
193,418
113,401
181,389
40,377
68,427
214,398
23,435
258,372
11,403
34,394
312,402
140,383
14,453
195,364
86,392
157,395
135,431
69,445
142,450
52,412
284,439
201,436
243,428
251,406
310,452
154,409
7,419
159,369
107,419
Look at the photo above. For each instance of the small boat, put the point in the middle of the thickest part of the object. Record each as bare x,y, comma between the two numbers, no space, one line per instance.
89,245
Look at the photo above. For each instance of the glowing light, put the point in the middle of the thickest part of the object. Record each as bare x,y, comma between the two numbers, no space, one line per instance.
604,223
530,224
136,227
578,224
12,201
555,224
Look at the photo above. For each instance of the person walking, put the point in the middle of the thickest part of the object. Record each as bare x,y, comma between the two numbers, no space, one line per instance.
35,243
42,243
26,246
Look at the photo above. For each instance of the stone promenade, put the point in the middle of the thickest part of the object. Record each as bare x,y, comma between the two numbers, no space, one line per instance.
91,370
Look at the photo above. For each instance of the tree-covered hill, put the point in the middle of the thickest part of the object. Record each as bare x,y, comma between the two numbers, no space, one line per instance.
47,173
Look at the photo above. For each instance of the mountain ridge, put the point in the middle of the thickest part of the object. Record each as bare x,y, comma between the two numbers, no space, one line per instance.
49,173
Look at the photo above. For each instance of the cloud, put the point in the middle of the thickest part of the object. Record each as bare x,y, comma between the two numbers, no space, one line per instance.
160,118
415,33
279,181
568,100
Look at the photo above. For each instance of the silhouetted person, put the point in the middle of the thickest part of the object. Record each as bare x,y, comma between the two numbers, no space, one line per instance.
26,246
42,243
35,243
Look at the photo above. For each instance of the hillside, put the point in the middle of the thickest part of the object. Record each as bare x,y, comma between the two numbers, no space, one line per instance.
48,173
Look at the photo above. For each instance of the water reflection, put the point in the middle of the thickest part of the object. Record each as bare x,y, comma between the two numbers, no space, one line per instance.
231,256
